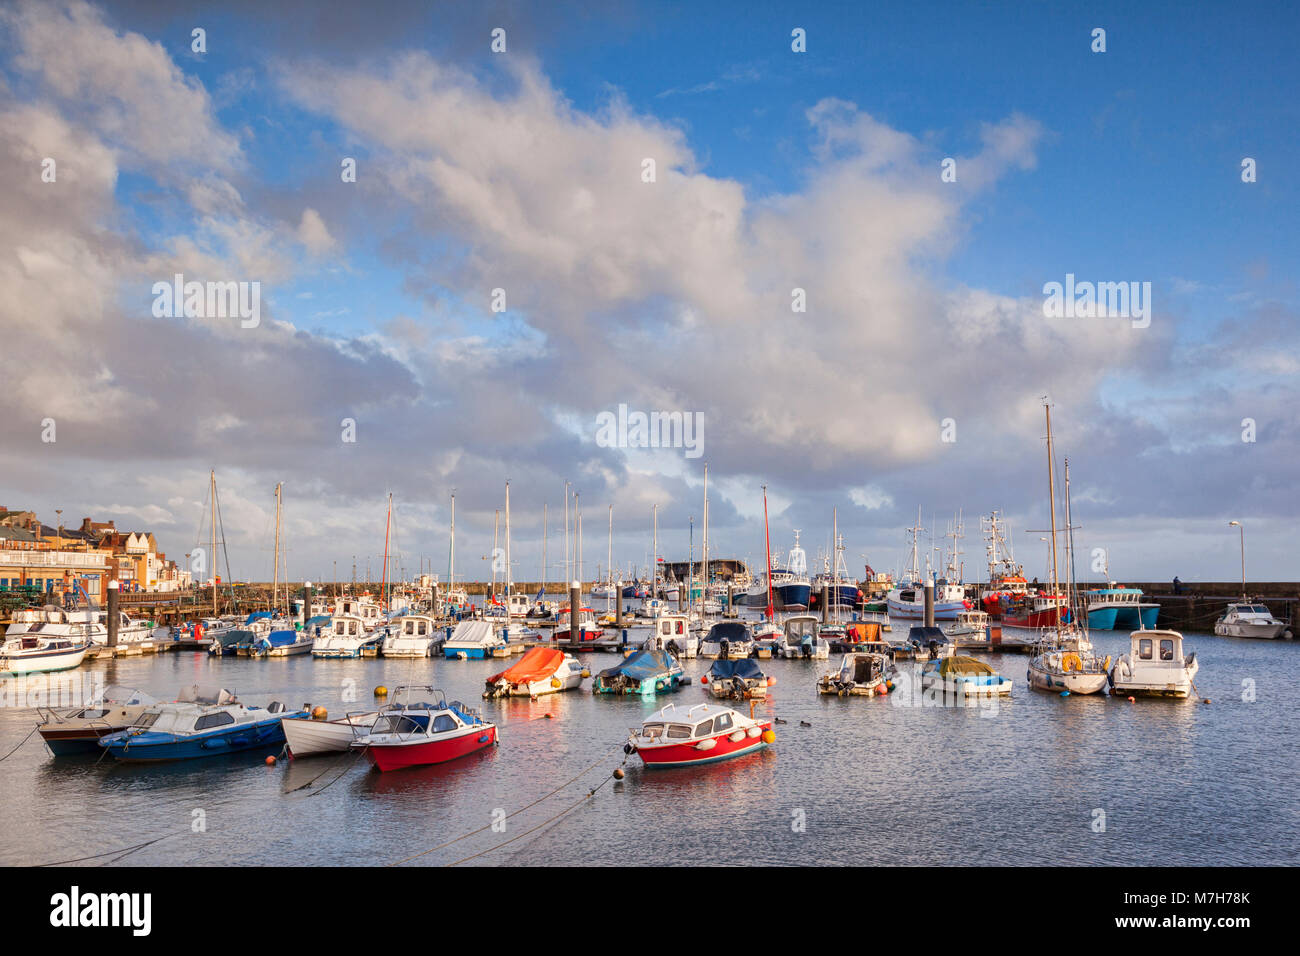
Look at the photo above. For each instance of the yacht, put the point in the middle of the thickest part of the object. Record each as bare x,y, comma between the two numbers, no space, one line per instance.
1249,620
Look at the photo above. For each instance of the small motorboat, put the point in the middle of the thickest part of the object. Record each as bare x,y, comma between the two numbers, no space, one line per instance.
703,734
542,670
646,672
413,635
588,636
801,639
306,736
1249,620
860,674
475,640
78,730
727,641
961,677
199,723
226,643
32,653
768,638
420,728
737,680
1154,667
924,644
279,643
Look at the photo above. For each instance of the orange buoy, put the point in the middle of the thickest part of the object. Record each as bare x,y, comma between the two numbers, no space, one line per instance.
768,736
319,713
1132,699
771,682
704,679
270,761
381,691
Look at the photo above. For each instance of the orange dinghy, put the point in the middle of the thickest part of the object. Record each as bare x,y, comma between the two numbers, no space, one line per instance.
542,670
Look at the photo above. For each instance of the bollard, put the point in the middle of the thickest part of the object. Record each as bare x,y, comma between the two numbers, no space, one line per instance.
113,615
575,612
618,606
929,604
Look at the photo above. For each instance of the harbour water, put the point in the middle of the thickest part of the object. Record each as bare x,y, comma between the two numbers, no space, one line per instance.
1040,780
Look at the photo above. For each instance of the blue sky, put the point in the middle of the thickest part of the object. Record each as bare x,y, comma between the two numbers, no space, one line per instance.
1125,165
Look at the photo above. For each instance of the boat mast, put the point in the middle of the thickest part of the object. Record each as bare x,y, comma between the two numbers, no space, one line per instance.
654,558
577,547
1051,490
1071,589
496,535
832,589
388,525
509,583
451,571
704,568
767,540
212,492
543,549
567,575
609,563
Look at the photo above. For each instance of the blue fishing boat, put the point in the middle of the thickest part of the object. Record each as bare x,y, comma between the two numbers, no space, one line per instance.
1111,608
279,643
199,723
646,672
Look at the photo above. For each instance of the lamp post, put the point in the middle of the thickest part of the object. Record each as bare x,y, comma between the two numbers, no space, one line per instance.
1242,529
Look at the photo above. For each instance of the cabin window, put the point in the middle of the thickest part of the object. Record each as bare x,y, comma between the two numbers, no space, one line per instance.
666,627
678,731
219,719
145,720
1166,650
679,627
721,723
652,730
352,628
1144,648
443,723
704,729
424,629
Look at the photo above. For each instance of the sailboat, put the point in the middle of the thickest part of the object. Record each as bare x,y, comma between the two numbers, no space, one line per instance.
768,632
456,602
1066,662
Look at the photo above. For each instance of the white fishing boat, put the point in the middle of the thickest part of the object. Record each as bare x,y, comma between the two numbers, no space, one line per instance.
970,630
1249,620
412,635
542,670
307,737
1154,667
859,675
676,636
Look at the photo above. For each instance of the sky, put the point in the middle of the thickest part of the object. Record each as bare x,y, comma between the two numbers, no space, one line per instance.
502,272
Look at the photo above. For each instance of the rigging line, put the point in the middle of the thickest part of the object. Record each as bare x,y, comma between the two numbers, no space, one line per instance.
342,773
221,522
544,796
96,856
587,796
20,743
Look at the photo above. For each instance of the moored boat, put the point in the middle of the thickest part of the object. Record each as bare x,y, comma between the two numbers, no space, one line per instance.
704,734
1155,666
199,723
801,638
473,640
962,677
349,635
1117,608
737,680
542,670
1249,620
421,728
860,674
306,736
727,640
412,635
33,653
646,672
78,730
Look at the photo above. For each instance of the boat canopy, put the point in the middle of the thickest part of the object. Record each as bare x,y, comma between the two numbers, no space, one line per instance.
924,635
194,694
257,616
641,665
727,631
964,665
282,638
537,664
318,620
745,669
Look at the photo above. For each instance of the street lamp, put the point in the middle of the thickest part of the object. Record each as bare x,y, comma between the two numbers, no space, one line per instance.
1240,527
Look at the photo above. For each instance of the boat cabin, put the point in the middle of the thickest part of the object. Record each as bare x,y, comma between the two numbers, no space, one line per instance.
1156,648
363,609
702,720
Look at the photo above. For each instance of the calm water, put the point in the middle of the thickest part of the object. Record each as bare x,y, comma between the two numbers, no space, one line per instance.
869,780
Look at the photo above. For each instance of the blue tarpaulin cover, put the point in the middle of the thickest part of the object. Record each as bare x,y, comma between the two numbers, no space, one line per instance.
282,638
643,665
746,669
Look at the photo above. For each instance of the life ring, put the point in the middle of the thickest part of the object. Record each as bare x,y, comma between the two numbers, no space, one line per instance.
1071,662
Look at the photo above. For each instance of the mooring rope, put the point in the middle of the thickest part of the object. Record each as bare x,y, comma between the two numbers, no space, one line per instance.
20,743
579,775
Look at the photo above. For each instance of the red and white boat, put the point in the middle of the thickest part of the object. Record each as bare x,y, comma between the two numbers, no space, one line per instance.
1037,610
704,734
1007,584
420,728
589,634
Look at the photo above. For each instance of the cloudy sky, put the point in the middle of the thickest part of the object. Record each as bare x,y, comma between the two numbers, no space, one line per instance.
524,171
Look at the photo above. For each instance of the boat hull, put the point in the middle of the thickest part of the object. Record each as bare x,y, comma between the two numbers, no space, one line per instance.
1265,632
306,737
43,662
424,753
688,754
912,611
159,748
1076,683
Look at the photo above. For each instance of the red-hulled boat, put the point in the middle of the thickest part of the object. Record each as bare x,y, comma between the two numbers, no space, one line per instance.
704,734
420,728
1038,610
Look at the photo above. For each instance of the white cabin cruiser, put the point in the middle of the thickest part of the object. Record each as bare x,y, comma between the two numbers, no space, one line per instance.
474,639
800,639
1154,667
1249,620
727,641
412,635
676,636
347,636
32,653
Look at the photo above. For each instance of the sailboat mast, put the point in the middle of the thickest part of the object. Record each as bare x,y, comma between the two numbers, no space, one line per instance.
451,571
654,567
609,563
509,582
1051,490
577,520
543,548
496,536
388,526
704,563
767,541
568,576
212,492
275,575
